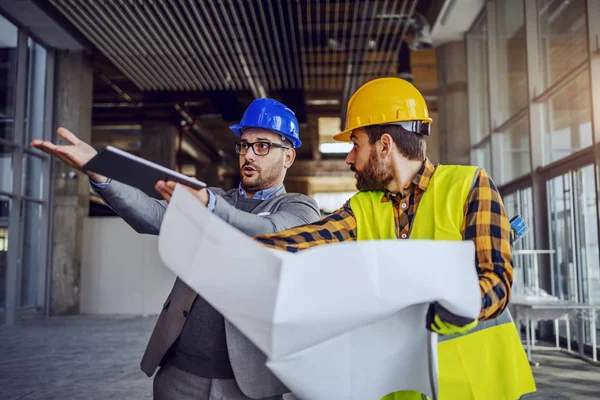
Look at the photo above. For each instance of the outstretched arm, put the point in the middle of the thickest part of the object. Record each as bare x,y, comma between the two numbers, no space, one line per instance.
337,227
140,211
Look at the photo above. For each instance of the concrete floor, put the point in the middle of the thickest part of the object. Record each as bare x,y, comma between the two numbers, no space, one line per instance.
98,358
561,377
75,358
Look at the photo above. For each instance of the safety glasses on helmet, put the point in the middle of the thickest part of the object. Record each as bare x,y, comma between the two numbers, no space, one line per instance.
418,127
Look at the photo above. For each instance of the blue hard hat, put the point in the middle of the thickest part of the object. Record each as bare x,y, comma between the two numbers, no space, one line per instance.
272,115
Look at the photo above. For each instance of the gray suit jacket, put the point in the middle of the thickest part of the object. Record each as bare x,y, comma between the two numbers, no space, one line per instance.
145,214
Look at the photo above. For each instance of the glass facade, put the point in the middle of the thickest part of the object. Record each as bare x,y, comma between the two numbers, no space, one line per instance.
24,172
479,86
567,120
521,203
562,29
513,146
542,76
8,73
4,217
30,244
511,54
482,156
6,167
560,208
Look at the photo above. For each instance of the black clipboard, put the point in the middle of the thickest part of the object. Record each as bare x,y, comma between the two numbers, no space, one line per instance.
136,171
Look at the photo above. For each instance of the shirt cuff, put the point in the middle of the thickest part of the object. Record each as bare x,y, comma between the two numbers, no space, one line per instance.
212,201
100,186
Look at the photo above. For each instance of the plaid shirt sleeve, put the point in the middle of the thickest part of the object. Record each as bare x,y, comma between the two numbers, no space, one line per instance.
337,227
487,225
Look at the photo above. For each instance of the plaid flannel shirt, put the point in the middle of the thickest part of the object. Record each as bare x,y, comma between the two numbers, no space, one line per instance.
485,223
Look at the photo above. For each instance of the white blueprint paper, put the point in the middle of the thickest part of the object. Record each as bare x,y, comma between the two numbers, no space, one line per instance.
339,321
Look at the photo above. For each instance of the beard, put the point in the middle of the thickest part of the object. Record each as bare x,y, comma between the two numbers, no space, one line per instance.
260,180
374,177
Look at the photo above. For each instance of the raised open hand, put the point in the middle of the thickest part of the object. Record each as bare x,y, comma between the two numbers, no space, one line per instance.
76,154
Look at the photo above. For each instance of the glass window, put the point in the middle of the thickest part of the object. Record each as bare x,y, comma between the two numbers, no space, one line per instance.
29,280
36,96
512,58
478,81
523,206
561,235
32,176
30,240
574,237
4,214
6,168
562,31
520,268
588,232
482,157
513,151
8,77
566,120
563,273
587,238
521,203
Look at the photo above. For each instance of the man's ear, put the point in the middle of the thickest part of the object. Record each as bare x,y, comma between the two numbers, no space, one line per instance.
288,158
386,144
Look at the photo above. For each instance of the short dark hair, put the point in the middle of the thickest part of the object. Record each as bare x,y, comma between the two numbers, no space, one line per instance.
411,145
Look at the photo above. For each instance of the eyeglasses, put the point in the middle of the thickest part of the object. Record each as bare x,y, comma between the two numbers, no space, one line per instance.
259,148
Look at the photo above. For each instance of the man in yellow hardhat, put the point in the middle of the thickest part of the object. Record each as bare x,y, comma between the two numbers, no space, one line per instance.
402,195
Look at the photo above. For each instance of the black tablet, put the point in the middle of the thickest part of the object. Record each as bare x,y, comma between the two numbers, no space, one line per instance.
135,171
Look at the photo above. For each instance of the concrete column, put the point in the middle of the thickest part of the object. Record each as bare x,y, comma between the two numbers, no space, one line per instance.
453,118
73,111
159,142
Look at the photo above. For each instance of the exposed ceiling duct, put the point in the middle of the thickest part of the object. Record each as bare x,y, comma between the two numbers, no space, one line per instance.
260,46
454,19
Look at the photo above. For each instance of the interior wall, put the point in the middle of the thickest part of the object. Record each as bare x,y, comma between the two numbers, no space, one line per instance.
121,270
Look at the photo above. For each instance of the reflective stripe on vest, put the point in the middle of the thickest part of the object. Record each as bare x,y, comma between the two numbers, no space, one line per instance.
487,363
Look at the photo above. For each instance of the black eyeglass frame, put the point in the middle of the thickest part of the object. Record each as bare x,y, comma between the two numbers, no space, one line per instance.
251,145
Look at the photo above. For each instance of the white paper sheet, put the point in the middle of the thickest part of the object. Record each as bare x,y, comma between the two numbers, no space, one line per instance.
339,321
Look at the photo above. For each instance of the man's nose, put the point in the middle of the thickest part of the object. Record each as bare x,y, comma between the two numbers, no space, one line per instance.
250,156
350,158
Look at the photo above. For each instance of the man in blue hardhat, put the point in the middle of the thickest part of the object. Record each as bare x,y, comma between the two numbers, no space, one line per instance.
202,356
269,136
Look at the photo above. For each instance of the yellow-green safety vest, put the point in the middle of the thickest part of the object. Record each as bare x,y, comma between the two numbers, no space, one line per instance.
487,363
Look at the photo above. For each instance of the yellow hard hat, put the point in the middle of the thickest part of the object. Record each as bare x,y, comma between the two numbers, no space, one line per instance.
386,101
